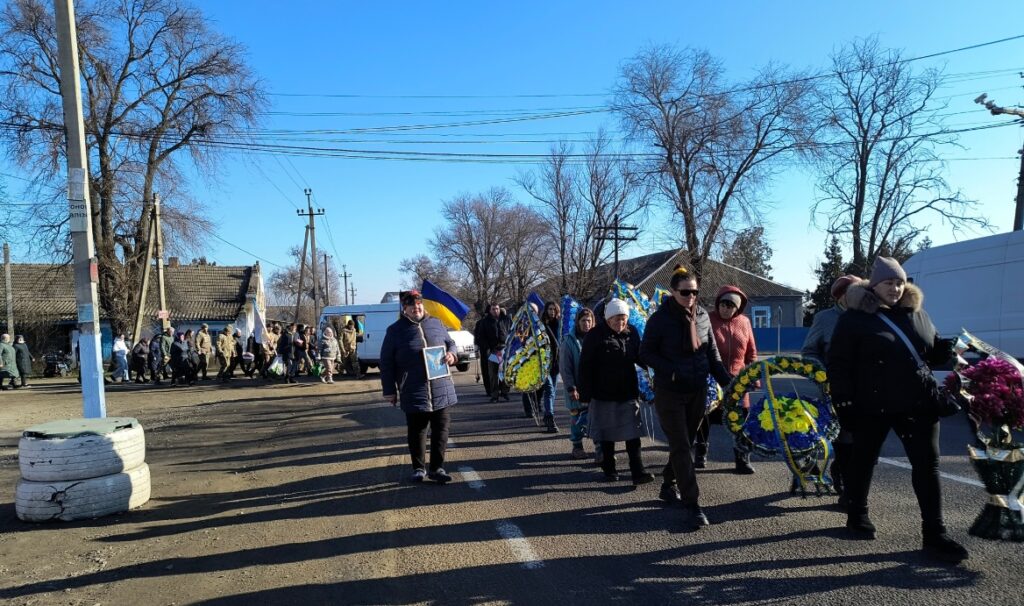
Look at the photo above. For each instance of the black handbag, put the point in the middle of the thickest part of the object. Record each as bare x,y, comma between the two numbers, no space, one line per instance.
936,400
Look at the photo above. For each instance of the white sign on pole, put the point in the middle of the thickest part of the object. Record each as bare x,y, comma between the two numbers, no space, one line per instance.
76,199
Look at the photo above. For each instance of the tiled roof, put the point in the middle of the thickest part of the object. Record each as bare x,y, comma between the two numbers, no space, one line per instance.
45,293
655,269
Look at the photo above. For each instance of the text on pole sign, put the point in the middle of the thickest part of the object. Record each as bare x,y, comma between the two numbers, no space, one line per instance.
78,207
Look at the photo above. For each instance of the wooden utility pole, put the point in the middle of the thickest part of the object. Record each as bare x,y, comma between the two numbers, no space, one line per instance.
312,214
86,271
1018,213
352,289
345,276
611,232
144,289
302,274
165,318
7,289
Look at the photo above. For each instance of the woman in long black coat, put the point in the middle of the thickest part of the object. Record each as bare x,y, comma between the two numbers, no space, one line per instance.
23,359
877,389
608,387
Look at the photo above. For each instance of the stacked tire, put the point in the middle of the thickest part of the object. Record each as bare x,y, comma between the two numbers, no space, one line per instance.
81,469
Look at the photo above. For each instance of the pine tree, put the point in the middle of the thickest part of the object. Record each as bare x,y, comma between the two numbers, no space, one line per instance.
830,269
750,251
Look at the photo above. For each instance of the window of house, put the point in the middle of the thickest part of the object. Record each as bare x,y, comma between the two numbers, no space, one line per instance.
762,316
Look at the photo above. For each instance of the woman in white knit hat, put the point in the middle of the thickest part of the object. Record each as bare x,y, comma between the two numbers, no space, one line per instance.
608,386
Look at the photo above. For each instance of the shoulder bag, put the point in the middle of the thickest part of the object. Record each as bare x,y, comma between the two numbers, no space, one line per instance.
936,401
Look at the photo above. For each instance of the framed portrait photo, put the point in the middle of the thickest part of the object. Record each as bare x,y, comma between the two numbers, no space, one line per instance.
434,358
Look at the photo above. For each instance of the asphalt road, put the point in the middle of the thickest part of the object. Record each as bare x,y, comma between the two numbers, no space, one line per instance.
298,495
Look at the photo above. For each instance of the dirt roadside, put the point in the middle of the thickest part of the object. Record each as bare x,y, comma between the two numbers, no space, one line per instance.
244,481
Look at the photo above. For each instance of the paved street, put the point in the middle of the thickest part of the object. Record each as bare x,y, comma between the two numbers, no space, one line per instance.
297,494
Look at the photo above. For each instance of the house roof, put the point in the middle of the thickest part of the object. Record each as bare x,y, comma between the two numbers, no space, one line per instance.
45,293
655,269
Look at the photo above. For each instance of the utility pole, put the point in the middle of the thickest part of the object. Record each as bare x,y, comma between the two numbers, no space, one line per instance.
302,274
7,289
352,289
144,290
312,214
611,232
327,284
345,276
1018,213
86,271
165,316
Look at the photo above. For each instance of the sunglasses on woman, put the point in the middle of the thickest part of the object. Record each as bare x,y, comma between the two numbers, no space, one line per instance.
686,292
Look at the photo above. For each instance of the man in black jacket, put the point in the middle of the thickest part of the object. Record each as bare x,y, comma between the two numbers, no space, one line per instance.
679,346
493,332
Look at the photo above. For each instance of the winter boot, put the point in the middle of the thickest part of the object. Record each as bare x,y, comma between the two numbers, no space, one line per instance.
578,453
859,525
636,463
743,463
608,461
937,544
700,455
549,424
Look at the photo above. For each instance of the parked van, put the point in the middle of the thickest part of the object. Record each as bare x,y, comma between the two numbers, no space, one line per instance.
978,285
372,323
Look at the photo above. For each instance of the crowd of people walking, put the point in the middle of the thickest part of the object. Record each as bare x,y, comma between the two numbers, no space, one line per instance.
875,345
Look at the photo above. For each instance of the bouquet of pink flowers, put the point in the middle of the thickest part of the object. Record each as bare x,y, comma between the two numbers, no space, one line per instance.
994,395
997,394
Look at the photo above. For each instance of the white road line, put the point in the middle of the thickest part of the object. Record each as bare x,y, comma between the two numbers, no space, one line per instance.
472,477
943,474
517,542
520,546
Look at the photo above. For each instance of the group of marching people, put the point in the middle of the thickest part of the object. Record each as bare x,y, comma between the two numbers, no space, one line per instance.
283,354
874,343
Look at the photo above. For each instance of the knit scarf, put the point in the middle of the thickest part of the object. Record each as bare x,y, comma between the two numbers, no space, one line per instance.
690,317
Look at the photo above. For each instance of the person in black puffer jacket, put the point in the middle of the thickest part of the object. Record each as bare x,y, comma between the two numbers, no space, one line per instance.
679,346
608,386
403,377
876,388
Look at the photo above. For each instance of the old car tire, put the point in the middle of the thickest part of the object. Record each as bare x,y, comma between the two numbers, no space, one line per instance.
82,499
54,459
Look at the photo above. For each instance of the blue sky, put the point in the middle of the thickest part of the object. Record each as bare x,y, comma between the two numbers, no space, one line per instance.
387,54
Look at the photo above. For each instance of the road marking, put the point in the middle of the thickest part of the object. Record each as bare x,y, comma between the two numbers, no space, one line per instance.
520,546
472,477
517,542
943,474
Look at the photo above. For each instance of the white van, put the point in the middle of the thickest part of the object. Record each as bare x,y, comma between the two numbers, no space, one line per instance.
373,320
978,285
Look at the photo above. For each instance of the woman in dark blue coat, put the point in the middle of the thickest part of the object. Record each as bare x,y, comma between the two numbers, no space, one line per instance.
403,377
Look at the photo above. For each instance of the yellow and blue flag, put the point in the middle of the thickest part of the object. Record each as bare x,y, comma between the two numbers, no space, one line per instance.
446,308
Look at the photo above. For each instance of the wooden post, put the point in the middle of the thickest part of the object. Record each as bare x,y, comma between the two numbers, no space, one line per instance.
165,321
144,290
7,289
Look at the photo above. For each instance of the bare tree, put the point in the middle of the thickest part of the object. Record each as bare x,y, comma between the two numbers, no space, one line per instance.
577,193
421,267
159,84
882,173
712,147
471,238
528,256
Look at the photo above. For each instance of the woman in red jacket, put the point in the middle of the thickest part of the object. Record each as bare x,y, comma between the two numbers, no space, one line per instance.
735,339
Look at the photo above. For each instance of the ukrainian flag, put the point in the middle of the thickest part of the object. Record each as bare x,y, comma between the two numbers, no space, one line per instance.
446,308
660,294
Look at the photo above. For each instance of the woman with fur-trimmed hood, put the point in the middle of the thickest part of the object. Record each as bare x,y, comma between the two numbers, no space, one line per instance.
876,388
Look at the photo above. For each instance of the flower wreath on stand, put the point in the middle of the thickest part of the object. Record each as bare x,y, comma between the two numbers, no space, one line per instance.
799,427
527,359
994,398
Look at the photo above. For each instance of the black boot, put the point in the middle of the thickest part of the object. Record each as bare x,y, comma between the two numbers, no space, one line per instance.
694,518
549,424
700,455
636,463
859,525
608,461
743,462
937,544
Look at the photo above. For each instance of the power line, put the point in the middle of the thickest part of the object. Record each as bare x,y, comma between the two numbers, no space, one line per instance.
210,231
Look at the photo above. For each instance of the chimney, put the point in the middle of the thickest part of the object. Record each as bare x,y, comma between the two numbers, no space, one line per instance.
173,262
